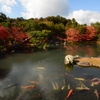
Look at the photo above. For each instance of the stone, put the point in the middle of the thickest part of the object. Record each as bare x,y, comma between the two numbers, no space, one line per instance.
83,63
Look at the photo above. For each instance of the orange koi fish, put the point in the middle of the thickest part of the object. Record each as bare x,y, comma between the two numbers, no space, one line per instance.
69,93
41,77
96,83
95,79
34,82
28,87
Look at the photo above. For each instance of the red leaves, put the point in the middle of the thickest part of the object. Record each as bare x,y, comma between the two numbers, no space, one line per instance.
74,35
85,37
91,30
90,33
12,33
4,34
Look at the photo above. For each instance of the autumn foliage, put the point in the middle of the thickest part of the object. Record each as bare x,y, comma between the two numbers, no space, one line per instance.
73,34
12,34
4,34
45,31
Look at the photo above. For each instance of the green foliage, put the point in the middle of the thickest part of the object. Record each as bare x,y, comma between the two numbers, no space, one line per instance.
98,37
42,26
39,36
72,24
97,26
82,30
6,24
2,17
59,29
57,19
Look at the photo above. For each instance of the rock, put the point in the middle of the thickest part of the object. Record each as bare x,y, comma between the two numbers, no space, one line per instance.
70,60
89,62
83,63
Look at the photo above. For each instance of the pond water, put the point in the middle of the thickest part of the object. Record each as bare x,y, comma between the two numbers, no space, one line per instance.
42,75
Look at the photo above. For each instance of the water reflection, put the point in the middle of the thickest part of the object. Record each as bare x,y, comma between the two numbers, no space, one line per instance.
69,67
48,70
87,50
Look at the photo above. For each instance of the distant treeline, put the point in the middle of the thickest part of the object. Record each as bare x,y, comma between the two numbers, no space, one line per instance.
46,31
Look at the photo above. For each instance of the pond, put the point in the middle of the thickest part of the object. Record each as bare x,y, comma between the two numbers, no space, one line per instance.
42,75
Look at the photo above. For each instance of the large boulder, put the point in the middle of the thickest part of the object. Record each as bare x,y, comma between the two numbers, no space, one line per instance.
70,60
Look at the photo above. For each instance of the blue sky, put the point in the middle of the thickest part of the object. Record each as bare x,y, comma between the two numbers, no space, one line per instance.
84,11
92,5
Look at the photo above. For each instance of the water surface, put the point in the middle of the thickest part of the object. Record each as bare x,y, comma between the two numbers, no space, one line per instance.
48,69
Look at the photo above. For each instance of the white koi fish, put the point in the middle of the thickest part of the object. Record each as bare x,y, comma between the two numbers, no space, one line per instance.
62,88
68,86
97,94
55,85
92,84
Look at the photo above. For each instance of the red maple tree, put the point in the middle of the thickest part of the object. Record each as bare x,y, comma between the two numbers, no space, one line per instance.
73,35
12,34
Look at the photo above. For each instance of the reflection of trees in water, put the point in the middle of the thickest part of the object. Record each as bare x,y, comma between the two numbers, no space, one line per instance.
69,67
86,50
98,50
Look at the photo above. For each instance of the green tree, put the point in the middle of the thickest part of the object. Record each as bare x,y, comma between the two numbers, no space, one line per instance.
97,26
82,29
57,19
2,17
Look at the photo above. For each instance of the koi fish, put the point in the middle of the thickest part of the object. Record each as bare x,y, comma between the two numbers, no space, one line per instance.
62,88
82,85
97,94
28,87
68,86
41,77
95,79
69,93
96,83
81,88
55,86
82,79
34,82
40,67
92,84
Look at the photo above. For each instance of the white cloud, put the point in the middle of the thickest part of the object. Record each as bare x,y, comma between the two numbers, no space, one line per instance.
6,9
85,17
44,8
8,2
6,5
